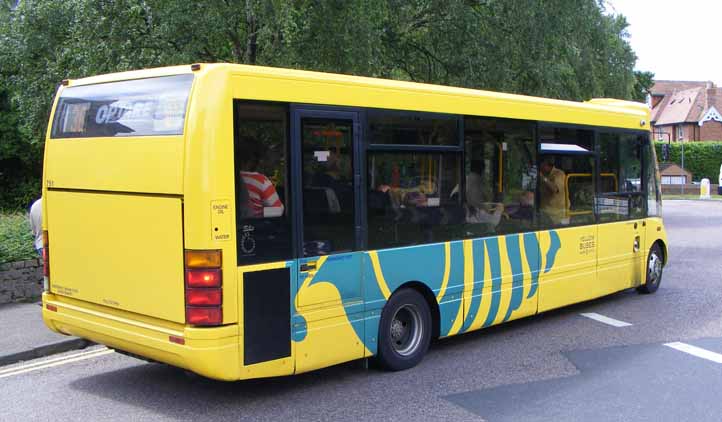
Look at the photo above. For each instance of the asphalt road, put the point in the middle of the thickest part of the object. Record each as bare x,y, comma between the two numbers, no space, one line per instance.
556,366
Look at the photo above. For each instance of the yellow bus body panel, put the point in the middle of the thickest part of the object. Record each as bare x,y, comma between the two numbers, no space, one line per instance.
208,177
285,85
121,251
618,263
655,233
140,164
211,352
573,277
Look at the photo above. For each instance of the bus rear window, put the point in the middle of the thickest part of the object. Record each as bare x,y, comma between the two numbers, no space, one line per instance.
142,107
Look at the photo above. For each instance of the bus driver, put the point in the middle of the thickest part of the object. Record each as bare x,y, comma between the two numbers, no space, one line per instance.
553,191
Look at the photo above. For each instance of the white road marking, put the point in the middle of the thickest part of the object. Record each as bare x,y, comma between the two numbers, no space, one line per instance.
696,351
49,363
51,360
606,320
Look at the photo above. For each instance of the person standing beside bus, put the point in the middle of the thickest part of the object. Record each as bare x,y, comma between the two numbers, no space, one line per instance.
553,191
36,225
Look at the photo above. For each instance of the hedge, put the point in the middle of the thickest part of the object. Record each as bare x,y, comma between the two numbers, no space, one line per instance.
702,158
16,240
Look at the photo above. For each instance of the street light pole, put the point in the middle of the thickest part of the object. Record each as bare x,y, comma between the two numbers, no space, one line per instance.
685,174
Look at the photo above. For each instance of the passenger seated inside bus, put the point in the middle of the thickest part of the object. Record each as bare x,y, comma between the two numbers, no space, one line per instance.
480,208
525,208
260,197
338,191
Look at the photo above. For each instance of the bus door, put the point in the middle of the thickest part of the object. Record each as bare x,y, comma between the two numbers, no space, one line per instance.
566,194
621,208
328,319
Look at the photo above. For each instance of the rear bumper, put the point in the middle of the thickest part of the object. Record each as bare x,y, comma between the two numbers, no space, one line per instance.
211,352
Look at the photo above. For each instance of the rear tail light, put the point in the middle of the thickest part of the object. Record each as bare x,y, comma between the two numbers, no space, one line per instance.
203,287
203,316
203,259
203,278
203,297
46,261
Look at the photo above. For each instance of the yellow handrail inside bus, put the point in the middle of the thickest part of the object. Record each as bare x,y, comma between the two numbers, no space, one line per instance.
567,201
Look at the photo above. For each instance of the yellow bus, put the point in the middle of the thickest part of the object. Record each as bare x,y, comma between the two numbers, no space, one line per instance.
243,222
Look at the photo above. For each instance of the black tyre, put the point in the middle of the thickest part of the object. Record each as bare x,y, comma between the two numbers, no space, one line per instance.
655,267
404,330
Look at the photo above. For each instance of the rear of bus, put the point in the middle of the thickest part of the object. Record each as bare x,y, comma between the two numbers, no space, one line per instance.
135,186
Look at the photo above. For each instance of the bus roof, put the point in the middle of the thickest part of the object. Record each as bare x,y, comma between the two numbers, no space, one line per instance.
290,85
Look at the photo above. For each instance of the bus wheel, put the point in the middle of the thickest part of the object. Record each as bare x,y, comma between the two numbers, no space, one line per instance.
404,330
654,271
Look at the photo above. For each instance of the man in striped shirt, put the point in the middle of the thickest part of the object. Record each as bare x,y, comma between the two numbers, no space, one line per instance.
261,194
258,195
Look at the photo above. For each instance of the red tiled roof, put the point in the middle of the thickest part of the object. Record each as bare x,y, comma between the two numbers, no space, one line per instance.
699,106
684,101
656,111
669,87
679,108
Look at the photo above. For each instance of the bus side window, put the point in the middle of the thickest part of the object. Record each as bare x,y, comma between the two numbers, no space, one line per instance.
413,191
566,177
620,174
500,176
262,219
413,198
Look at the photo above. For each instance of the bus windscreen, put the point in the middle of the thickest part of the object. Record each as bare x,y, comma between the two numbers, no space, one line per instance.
142,107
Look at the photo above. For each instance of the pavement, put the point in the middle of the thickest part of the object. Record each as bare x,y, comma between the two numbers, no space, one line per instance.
24,336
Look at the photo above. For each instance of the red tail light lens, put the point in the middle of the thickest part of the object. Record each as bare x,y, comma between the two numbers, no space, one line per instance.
203,297
204,316
203,278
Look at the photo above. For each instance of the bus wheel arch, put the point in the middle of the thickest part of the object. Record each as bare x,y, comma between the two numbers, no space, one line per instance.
428,294
654,268
663,248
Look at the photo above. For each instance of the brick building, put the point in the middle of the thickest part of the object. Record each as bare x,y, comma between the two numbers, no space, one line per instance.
686,111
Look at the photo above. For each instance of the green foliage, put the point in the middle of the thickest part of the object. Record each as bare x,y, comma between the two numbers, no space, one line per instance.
702,158
19,161
16,240
570,49
642,85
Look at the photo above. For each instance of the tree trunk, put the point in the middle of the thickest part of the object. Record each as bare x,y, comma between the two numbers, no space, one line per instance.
252,31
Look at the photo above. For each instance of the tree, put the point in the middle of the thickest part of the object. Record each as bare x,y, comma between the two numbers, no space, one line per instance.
643,82
570,49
